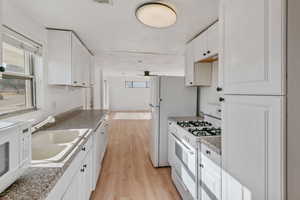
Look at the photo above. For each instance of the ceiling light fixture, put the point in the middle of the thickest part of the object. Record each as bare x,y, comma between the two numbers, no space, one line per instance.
157,15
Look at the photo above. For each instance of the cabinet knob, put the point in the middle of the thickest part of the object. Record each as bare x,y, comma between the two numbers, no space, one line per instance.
219,89
83,148
191,83
75,82
204,54
208,52
85,165
221,99
2,69
201,165
207,152
82,170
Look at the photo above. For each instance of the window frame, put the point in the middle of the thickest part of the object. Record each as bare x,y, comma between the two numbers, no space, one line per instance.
30,51
147,84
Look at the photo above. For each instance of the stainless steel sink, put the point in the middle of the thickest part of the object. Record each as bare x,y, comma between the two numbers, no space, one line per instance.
55,146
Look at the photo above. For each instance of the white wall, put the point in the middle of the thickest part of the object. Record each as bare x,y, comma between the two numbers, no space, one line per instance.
127,99
98,89
51,99
209,97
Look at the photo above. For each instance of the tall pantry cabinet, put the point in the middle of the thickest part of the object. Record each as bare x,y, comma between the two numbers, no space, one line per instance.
253,74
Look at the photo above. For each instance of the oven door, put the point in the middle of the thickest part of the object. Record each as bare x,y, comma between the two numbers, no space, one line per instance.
186,168
9,156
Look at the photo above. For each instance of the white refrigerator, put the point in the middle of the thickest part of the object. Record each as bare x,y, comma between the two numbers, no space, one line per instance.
169,97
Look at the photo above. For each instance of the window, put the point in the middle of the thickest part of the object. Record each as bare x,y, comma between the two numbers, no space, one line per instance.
137,84
17,83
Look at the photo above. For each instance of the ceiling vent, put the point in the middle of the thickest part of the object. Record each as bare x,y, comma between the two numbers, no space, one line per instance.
104,1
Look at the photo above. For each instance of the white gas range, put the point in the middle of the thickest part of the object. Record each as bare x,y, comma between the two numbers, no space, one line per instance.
184,140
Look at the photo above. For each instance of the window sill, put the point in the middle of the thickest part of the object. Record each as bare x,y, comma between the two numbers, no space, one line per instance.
18,113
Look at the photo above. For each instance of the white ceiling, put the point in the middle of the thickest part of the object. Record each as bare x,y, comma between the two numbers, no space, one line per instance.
111,30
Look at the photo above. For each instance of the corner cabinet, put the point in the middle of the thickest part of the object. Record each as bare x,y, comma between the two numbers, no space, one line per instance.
196,74
199,55
69,62
254,46
253,148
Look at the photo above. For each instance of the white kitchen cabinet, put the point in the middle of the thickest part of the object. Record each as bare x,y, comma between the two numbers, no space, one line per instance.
100,143
200,49
69,62
212,38
253,148
171,145
209,174
81,184
196,74
254,46
74,189
207,43
189,64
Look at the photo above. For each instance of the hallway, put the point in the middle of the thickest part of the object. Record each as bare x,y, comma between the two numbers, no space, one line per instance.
127,172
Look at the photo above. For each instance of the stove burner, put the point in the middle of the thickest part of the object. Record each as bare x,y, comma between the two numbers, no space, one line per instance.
211,131
196,123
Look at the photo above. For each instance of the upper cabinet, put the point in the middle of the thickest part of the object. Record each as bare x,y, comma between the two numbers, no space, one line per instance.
69,61
199,54
207,43
254,47
189,64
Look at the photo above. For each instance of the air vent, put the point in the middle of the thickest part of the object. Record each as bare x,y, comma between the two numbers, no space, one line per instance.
104,1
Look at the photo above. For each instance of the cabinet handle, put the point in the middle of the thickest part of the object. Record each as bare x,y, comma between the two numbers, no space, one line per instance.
208,152
82,169
201,165
219,89
85,166
83,148
75,82
221,99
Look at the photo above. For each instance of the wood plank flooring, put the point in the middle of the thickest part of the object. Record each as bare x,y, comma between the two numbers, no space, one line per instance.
127,172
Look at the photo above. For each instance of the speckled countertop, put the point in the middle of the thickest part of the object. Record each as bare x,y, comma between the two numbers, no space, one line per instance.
37,182
214,143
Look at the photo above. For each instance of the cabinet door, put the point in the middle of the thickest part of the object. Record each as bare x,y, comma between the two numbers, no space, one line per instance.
254,50
200,50
74,190
76,61
252,148
210,179
212,37
189,64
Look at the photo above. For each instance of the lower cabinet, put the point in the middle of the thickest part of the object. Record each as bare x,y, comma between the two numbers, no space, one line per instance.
253,148
209,173
100,143
82,182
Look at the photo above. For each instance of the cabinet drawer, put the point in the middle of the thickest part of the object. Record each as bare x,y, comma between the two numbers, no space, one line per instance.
208,153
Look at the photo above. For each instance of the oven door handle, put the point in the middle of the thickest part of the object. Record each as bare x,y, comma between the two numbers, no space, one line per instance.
183,145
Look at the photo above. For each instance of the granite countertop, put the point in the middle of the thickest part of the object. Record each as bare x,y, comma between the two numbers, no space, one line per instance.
185,118
214,143
37,182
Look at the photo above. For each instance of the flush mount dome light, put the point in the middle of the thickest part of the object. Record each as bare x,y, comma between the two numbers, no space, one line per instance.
156,15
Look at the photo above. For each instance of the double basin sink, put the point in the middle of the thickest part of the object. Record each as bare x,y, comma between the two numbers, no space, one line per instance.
55,146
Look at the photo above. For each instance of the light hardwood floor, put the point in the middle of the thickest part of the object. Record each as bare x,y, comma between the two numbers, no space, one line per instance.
127,172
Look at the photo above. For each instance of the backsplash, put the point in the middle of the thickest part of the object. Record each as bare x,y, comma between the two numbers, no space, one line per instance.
209,97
